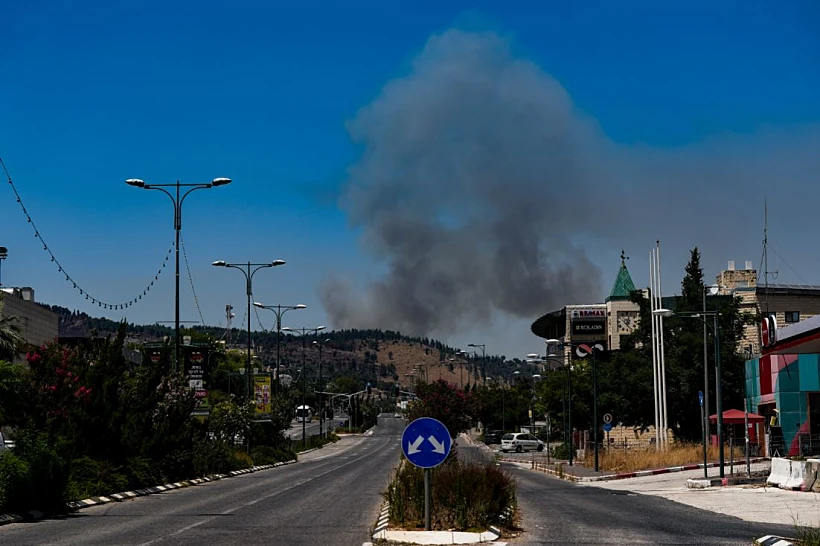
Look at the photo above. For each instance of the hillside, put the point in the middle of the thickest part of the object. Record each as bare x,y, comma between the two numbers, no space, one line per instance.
374,356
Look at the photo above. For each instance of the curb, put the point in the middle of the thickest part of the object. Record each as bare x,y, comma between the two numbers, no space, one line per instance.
127,495
624,475
771,540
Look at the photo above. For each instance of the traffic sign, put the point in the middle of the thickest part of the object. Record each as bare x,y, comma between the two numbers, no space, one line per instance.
607,418
607,427
700,398
426,442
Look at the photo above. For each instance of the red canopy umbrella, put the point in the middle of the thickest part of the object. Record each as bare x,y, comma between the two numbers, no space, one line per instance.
737,417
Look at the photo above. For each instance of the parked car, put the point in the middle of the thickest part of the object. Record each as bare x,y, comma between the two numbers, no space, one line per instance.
493,436
521,441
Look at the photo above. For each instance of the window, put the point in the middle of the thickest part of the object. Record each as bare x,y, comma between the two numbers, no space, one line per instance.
792,316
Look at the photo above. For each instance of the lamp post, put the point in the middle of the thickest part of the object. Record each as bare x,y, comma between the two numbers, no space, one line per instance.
303,332
714,328
535,357
279,310
248,269
481,346
582,350
320,344
177,200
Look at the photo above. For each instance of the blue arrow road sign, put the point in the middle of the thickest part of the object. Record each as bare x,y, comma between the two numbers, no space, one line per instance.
607,427
426,442
700,398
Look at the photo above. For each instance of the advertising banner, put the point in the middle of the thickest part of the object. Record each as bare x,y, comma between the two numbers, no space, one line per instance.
194,359
262,394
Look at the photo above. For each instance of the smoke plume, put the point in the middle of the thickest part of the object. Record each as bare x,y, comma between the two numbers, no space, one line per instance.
476,180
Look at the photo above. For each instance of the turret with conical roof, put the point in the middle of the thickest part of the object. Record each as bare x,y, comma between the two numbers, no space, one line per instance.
623,287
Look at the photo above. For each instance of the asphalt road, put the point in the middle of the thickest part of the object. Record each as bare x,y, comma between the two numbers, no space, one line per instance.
555,511
332,496
312,427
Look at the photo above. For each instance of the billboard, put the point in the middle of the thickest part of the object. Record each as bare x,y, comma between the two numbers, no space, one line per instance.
589,313
262,394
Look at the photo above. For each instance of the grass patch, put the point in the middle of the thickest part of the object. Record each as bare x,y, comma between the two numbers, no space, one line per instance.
465,497
677,454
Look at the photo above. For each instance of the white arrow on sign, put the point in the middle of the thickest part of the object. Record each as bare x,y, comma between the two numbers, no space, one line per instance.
437,447
413,448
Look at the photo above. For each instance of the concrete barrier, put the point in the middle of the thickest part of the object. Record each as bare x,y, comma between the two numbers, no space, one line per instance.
797,473
780,471
810,474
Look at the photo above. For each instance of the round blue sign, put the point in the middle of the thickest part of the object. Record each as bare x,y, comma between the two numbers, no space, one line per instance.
607,427
700,398
426,442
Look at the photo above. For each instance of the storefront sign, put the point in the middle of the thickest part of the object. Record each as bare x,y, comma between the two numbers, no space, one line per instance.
589,328
591,313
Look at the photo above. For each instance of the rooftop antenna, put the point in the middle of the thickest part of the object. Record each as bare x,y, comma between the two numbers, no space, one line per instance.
766,271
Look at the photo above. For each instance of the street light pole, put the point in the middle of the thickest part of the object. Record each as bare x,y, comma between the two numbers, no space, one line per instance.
718,372
303,332
320,344
279,310
248,269
483,347
177,200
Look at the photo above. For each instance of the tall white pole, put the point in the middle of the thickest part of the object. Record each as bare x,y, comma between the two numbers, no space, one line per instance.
654,343
665,430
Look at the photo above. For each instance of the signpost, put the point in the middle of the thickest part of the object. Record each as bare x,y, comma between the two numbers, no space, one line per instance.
426,443
607,427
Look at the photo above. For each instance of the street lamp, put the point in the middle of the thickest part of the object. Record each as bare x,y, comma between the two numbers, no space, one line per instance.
481,346
320,344
583,350
566,400
177,200
303,332
248,269
279,310
714,328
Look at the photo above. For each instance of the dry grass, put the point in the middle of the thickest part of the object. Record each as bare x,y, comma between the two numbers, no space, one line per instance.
677,454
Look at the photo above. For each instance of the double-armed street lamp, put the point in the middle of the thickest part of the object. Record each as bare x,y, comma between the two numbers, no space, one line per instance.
177,198
320,344
535,357
582,349
483,347
279,310
715,329
303,332
248,269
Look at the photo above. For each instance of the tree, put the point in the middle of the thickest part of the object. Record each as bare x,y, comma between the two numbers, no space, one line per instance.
11,340
443,401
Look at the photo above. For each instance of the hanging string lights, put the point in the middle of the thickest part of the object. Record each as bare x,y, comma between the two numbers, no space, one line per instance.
69,279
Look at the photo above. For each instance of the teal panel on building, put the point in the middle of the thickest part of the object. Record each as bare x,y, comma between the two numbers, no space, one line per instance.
788,379
808,371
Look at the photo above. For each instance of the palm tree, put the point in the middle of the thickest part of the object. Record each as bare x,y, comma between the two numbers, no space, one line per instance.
11,341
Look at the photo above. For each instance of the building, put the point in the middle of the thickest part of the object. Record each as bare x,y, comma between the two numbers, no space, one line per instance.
783,385
603,323
789,303
37,324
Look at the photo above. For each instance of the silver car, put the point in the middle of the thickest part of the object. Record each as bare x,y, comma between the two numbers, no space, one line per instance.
521,441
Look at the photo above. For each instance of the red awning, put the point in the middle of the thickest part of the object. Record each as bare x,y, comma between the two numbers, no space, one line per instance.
737,417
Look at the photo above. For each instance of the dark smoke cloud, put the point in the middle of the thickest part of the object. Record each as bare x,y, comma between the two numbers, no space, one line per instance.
477,178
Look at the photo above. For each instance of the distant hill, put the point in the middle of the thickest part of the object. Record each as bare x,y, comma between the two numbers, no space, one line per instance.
365,355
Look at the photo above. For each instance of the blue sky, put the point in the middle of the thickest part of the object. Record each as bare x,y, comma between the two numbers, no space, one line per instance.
700,111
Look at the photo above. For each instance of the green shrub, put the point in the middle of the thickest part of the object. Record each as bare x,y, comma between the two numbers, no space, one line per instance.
561,451
212,457
16,491
91,478
141,472
465,496
241,460
48,472
269,455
